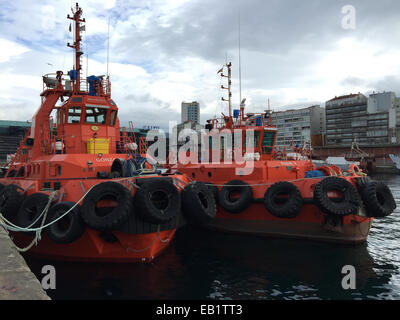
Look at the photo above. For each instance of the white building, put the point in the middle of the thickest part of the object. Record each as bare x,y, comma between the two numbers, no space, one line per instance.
372,120
190,111
297,126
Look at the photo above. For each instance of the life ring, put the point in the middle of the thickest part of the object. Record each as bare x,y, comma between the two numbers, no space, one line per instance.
198,203
11,198
107,206
347,204
288,206
157,201
31,209
68,229
235,205
378,199
214,190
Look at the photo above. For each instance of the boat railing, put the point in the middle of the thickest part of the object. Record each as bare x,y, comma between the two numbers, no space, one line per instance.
51,81
105,86
58,145
291,153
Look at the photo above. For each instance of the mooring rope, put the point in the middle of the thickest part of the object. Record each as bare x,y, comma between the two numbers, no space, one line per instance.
9,226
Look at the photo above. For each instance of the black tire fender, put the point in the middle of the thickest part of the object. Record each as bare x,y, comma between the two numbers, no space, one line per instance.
378,199
99,219
31,209
198,203
214,190
288,209
235,205
157,201
68,229
346,205
11,198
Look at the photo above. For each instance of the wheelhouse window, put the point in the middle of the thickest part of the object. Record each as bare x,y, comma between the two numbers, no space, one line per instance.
74,114
268,142
96,115
113,117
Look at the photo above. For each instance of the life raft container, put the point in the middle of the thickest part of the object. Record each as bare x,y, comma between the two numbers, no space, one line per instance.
378,199
95,212
283,200
157,201
198,203
68,229
348,202
31,209
11,198
235,204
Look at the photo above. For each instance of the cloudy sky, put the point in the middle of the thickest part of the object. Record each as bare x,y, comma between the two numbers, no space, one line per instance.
163,52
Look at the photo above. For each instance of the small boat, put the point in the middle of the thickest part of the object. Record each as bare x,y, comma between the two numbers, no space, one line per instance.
260,191
79,189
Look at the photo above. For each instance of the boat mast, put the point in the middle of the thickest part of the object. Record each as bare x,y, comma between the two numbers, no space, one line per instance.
77,46
229,100
240,68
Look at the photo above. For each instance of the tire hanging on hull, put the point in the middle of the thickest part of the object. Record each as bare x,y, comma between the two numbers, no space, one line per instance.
106,218
378,199
283,200
214,190
347,204
11,198
31,209
157,201
198,203
68,229
235,205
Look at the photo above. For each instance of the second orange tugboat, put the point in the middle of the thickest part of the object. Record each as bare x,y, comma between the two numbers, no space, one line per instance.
88,188
260,191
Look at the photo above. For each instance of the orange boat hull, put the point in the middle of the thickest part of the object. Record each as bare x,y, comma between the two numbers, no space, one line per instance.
91,248
310,225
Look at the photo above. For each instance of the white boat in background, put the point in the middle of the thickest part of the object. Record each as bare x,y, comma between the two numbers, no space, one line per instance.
396,160
340,162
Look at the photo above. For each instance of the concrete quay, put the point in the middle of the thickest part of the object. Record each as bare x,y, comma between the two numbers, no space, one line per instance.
17,282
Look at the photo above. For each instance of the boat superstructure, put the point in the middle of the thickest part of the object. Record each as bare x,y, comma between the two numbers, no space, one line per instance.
263,189
80,187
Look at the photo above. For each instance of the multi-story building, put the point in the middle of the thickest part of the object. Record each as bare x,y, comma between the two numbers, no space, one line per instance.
190,111
365,120
298,126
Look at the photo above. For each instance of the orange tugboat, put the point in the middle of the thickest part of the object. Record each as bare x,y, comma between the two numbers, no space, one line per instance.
78,189
260,191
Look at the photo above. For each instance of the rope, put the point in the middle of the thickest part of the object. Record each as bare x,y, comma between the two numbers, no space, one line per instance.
38,232
12,227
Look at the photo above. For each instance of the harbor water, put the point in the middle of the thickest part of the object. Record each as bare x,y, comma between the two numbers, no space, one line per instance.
208,265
